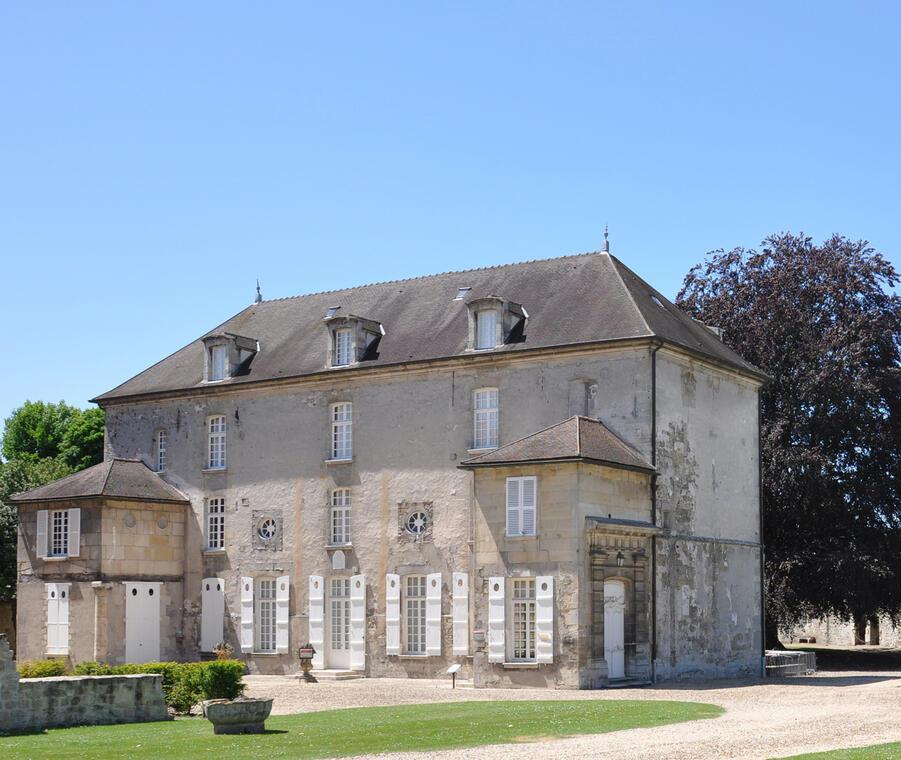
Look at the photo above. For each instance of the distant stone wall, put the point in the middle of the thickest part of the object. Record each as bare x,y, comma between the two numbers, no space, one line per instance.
835,632
37,703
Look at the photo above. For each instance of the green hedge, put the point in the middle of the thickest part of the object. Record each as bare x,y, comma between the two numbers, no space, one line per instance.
184,683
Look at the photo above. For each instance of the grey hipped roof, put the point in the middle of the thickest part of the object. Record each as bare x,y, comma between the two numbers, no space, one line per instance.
588,298
129,479
576,439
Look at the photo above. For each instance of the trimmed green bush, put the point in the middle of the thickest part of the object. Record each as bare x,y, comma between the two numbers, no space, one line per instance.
42,668
221,679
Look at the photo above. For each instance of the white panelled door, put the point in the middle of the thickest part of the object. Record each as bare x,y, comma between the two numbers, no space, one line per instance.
339,623
212,613
142,621
614,628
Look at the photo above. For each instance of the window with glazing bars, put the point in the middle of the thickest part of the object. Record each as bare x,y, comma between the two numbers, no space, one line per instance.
217,443
266,616
59,532
216,523
340,609
342,347
484,404
524,619
340,522
415,617
342,433
161,442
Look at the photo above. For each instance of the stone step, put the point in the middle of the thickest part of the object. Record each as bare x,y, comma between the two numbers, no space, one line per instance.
334,674
627,683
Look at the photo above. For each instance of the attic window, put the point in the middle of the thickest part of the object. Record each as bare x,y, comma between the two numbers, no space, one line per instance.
493,322
461,294
657,301
332,311
218,362
352,339
228,355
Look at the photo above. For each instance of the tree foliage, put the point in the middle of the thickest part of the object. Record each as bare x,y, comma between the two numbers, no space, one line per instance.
823,322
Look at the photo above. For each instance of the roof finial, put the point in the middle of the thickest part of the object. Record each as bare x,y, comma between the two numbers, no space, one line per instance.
259,297
606,248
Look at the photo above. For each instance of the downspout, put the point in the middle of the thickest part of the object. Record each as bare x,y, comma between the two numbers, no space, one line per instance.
760,539
654,510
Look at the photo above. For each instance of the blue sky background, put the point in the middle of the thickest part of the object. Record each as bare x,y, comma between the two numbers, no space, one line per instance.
156,158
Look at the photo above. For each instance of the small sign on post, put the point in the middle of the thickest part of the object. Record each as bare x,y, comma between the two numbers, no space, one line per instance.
453,674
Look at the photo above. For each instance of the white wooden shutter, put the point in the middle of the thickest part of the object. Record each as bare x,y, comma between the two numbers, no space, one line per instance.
57,618
41,546
513,507
496,646
212,613
282,597
392,614
246,614
433,614
527,505
74,533
317,619
358,622
544,618
460,595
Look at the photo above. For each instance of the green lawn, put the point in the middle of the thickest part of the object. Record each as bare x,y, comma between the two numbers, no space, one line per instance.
876,752
364,730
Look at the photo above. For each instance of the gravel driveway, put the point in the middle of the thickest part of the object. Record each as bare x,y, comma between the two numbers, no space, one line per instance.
763,719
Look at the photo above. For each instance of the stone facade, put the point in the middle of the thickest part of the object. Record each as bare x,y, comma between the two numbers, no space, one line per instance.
429,574
39,703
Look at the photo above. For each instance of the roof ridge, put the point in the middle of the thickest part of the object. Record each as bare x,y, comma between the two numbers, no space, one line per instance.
426,277
615,266
109,471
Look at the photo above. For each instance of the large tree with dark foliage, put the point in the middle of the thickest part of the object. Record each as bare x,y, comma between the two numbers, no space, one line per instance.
823,321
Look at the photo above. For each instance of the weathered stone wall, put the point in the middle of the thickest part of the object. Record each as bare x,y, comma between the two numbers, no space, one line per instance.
38,703
833,631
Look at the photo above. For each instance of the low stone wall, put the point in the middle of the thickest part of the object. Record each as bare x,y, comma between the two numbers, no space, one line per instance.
36,703
835,632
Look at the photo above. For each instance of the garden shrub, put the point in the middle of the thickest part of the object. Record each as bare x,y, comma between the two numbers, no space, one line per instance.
221,679
42,668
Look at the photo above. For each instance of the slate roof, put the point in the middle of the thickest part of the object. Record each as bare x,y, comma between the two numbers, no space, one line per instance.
582,299
576,439
113,479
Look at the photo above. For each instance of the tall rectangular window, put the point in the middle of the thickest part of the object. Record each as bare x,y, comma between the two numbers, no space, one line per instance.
415,600
265,616
59,532
217,443
521,505
342,347
215,534
340,517
339,607
218,362
342,431
486,328
484,403
162,441
523,603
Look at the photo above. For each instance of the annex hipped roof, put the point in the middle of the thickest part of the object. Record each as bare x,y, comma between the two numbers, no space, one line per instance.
113,479
576,439
588,298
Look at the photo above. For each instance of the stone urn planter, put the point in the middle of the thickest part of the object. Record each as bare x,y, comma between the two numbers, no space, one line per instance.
239,716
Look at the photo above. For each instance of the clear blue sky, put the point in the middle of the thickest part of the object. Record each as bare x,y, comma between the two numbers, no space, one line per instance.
156,158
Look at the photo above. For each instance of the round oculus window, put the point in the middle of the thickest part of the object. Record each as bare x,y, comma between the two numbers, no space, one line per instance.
266,529
416,523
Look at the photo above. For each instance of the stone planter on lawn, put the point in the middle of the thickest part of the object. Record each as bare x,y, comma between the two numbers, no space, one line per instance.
239,716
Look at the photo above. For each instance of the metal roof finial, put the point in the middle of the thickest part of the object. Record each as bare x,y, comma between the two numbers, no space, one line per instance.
606,248
259,297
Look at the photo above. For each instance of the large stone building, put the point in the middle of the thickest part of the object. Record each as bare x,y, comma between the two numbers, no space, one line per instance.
543,471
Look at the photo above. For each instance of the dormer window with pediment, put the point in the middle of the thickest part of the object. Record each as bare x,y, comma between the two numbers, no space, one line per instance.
227,355
493,322
352,339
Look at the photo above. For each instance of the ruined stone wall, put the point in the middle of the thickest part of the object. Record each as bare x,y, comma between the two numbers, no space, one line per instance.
708,556
833,631
38,703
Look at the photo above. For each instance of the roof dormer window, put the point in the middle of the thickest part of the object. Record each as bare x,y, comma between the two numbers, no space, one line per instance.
352,339
486,329
218,362
493,322
343,341
228,355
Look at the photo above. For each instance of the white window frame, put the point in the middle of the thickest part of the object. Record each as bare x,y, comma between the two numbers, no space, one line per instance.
414,615
343,352
217,430
486,329
484,418
339,518
215,523
218,363
58,533
341,416
523,620
522,506
265,615
161,442
339,609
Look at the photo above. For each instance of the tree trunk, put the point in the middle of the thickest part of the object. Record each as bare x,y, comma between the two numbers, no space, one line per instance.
874,630
860,629
772,634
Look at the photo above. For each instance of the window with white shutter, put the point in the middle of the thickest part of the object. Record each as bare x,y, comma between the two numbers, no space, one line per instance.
523,619
212,613
433,615
246,614
460,596
42,544
317,619
57,617
521,505
392,614
282,620
544,618
265,615
496,646
415,613
358,622
58,533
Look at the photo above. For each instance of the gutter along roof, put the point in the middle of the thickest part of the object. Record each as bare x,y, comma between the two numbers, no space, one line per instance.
572,300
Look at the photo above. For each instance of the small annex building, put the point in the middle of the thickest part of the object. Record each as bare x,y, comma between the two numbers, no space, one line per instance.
544,472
